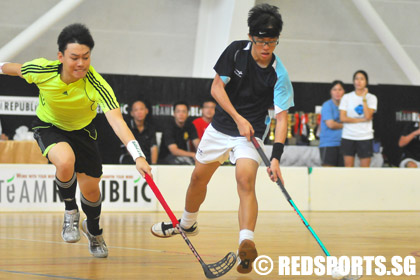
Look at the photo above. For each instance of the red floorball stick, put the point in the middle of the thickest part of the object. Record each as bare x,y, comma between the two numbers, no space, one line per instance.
214,270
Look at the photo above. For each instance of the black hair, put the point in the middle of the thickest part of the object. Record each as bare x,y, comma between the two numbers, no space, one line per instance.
208,100
135,101
337,82
181,102
75,33
265,17
363,73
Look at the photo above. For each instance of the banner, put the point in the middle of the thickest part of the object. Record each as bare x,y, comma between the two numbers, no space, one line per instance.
18,105
25,187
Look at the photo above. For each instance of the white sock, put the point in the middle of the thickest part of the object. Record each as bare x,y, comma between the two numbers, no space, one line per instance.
188,219
245,234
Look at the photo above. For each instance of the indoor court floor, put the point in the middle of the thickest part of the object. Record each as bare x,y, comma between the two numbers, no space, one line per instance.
31,246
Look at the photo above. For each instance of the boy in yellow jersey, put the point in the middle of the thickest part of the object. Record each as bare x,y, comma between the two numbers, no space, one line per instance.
70,91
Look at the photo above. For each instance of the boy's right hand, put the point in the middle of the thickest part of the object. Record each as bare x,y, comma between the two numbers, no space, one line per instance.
245,128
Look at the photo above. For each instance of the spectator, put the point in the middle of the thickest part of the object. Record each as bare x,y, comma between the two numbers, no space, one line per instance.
2,135
331,128
356,113
144,132
207,110
176,136
410,142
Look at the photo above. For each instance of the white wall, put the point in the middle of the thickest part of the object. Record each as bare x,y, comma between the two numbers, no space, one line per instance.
151,38
25,187
322,40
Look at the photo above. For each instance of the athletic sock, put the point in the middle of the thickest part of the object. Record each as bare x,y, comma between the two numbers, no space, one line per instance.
93,213
245,234
68,192
188,219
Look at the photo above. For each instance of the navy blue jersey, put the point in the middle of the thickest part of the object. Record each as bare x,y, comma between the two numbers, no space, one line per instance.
251,89
173,134
412,149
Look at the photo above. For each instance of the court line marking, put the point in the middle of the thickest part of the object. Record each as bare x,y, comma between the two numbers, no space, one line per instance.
43,275
112,247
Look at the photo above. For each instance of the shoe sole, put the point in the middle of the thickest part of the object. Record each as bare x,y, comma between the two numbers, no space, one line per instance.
247,253
71,241
160,236
167,236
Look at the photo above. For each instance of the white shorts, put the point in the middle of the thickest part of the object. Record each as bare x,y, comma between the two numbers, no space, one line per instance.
216,146
405,161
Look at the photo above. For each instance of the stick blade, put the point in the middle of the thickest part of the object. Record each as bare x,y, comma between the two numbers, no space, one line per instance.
220,268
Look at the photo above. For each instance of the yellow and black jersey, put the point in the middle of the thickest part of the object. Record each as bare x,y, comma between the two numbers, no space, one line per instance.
68,106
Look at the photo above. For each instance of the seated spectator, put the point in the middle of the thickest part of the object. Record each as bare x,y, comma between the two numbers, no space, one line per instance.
356,114
144,133
410,143
331,127
2,135
176,136
207,111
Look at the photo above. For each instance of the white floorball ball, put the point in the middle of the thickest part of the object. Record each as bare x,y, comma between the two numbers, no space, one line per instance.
337,273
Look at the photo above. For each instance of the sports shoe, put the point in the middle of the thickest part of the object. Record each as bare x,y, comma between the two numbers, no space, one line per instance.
247,253
97,246
70,232
164,230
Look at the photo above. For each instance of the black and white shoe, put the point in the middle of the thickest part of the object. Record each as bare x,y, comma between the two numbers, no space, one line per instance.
164,230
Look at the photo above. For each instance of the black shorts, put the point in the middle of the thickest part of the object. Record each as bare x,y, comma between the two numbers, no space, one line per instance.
331,156
83,143
363,148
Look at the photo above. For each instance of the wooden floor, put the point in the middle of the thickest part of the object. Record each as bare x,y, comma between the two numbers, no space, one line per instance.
31,245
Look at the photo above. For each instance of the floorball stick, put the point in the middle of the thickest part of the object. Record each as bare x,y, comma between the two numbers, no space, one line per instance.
289,199
214,270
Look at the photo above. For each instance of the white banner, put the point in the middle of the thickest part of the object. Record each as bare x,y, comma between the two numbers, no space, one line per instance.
25,187
18,105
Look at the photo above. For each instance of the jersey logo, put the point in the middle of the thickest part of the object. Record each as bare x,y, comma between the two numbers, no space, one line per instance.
359,109
186,135
238,73
65,93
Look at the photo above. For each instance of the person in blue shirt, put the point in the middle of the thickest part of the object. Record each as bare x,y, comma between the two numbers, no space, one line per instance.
331,127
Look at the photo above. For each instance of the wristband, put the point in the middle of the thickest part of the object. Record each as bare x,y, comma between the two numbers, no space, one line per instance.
1,66
134,149
277,151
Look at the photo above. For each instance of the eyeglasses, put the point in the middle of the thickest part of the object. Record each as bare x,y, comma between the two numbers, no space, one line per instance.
260,43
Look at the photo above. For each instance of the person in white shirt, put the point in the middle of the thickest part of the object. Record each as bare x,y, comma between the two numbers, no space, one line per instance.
356,114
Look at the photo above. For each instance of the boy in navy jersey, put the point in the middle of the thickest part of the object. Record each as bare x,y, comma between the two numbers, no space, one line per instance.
250,79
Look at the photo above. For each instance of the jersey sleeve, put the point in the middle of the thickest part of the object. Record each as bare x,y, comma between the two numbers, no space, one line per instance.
283,89
407,129
226,63
168,135
105,96
192,132
326,112
372,102
153,139
343,103
39,70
